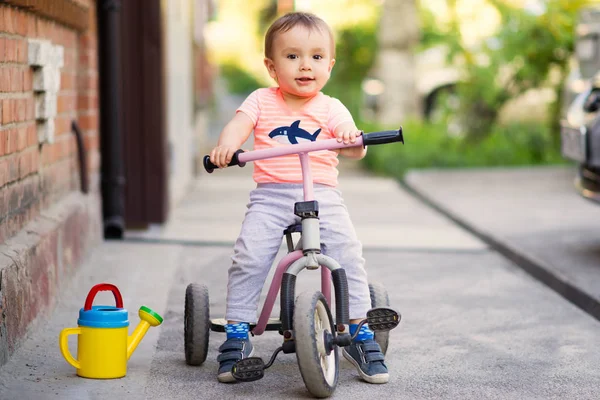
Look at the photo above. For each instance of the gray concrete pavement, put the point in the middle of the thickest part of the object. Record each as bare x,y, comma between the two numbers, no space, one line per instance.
215,208
144,275
534,215
474,325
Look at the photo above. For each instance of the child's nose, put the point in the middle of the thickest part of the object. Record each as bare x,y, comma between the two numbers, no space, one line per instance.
305,65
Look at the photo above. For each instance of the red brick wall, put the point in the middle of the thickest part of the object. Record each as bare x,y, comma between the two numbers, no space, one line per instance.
47,226
32,176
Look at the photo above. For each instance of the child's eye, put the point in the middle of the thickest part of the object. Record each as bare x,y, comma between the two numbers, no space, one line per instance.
292,56
318,57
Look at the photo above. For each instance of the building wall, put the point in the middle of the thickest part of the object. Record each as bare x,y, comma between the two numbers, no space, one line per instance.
188,89
177,15
46,223
204,76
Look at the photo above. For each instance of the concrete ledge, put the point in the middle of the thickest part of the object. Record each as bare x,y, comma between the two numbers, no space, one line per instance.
495,205
36,262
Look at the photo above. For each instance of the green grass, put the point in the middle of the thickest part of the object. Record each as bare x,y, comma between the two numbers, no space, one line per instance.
239,81
429,146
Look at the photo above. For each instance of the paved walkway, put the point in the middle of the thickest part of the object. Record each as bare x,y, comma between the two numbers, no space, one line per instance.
531,215
474,326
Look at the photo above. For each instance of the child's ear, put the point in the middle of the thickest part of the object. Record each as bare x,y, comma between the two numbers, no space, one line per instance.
331,64
270,67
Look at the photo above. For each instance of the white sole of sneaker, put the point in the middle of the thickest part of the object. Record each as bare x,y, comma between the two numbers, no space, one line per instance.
227,377
377,379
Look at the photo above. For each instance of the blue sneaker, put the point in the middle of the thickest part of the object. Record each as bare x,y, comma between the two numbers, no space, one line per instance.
368,360
232,350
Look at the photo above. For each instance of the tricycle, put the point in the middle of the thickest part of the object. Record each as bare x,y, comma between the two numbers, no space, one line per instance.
305,322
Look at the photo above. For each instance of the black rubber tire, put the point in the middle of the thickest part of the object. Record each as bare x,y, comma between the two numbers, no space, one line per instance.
196,323
319,382
380,298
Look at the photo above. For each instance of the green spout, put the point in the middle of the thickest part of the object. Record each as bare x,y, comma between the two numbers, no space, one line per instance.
148,318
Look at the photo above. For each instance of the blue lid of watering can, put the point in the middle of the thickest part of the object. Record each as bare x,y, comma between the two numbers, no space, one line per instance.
103,316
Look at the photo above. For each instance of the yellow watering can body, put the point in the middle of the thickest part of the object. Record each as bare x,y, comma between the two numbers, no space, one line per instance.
103,346
101,352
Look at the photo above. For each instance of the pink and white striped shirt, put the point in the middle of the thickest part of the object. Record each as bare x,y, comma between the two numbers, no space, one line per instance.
276,125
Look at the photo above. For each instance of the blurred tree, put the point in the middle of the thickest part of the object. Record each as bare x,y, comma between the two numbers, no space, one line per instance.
356,48
395,65
266,16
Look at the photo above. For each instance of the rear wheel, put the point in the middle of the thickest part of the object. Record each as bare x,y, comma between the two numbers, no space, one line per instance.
196,323
314,329
380,298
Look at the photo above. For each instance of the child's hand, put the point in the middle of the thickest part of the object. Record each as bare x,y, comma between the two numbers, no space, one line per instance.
348,136
221,155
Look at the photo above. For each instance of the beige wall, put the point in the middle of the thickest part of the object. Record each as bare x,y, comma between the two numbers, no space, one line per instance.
181,122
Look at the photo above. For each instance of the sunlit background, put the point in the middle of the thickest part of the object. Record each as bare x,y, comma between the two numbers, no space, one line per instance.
487,85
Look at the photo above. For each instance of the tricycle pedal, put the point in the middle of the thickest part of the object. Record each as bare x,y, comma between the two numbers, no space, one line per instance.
248,369
382,319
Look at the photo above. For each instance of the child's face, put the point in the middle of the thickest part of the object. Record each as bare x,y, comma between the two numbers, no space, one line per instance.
301,61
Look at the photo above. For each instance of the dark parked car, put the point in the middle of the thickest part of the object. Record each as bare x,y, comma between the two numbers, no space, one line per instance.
580,127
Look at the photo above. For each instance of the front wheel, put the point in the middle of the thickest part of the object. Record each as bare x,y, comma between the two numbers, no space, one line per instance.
196,323
380,298
313,329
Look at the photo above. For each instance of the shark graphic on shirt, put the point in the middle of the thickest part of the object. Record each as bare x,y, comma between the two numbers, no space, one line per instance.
291,134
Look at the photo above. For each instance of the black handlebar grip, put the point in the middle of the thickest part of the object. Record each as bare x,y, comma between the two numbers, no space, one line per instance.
383,137
210,167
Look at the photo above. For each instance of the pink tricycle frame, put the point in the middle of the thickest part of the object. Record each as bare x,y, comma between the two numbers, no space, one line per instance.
302,149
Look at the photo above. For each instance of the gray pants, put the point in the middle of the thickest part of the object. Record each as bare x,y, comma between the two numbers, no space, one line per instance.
270,211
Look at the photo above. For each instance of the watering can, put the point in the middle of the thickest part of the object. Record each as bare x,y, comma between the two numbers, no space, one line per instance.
103,344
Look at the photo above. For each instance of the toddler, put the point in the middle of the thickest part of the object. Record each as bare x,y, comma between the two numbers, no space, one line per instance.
299,56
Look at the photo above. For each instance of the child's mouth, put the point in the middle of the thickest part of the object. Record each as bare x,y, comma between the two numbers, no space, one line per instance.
304,81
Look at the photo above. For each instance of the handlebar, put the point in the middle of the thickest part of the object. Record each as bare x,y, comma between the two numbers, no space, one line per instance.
241,157
210,167
383,137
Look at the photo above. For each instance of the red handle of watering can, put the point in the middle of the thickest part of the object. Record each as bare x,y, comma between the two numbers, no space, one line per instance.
103,287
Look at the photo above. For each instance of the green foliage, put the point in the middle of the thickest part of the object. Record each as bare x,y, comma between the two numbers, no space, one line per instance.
434,33
431,33
355,54
239,80
429,146
521,56
529,51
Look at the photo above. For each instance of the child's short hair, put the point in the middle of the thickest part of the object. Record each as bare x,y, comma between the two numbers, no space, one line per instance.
290,20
